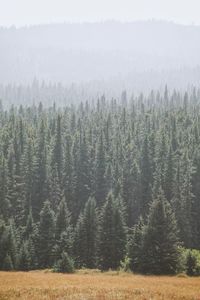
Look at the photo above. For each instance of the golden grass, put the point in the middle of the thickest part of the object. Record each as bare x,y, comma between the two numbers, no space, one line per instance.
88,285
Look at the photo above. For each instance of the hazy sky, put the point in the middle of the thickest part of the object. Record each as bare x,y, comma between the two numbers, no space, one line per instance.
25,12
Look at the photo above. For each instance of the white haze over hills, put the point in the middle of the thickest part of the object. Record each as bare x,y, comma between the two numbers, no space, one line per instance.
102,57
27,12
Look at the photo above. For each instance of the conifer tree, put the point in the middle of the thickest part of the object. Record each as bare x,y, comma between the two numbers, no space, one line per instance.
11,195
112,235
39,174
27,175
29,226
4,201
169,177
183,198
85,242
32,254
68,174
146,178
82,184
57,153
63,231
13,242
63,219
55,191
8,264
24,258
160,240
46,236
135,244
187,199
195,203
65,264
100,180
4,237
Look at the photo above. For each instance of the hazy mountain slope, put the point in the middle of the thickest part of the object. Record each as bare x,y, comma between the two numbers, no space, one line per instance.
98,51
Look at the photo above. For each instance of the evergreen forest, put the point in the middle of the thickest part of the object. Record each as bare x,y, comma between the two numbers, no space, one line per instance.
107,184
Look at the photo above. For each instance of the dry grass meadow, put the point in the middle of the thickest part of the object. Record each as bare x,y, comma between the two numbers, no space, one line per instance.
94,285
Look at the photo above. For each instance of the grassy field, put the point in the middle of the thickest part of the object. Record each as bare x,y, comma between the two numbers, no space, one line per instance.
82,286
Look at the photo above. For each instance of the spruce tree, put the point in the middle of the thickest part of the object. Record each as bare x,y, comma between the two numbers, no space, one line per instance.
24,259
196,203
146,178
63,231
4,244
65,264
82,184
112,235
68,174
27,175
46,236
63,219
32,254
134,248
39,173
55,191
160,240
57,151
100,179
7,264
85,243
4,201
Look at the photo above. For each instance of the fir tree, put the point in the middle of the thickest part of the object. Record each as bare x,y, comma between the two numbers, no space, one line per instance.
7,264
46,236
146,178
135,244
57,153
24,258
65,264
112,235
85,242
100,180
39,174
160,240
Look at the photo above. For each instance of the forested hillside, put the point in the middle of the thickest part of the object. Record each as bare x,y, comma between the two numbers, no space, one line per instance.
135,55
100,183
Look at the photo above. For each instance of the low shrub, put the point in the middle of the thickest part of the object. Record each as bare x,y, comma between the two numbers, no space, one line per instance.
65,264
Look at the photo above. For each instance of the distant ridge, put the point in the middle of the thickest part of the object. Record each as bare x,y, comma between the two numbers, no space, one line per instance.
81,52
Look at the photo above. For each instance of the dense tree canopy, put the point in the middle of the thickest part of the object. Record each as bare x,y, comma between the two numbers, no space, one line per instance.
76,179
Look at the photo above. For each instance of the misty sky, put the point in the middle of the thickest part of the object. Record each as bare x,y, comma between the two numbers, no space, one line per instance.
26,12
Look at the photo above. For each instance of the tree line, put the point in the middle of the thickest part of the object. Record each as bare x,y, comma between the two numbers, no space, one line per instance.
101,184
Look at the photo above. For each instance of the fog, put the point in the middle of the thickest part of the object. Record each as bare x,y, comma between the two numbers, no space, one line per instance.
109,52
23,12
73,43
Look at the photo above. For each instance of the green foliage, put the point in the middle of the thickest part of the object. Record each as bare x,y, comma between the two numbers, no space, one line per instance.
65,264
112,235
134,247
63,230
7,264
52,160
3,242
46,236
125,264
100,169
154,248
63,219
85,242
24,258
160,239
193,263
